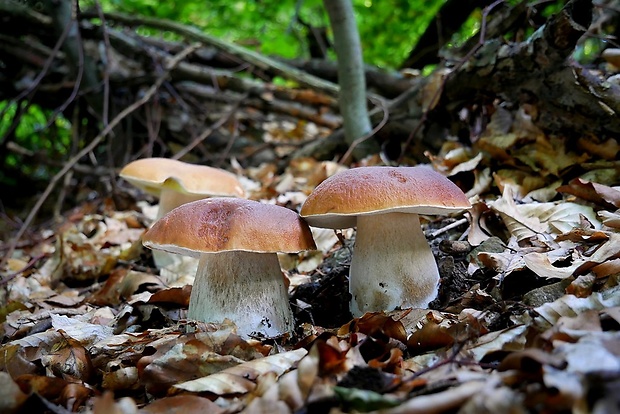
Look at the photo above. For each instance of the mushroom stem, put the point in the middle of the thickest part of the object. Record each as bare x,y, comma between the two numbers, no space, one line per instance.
170,199
392,264
245,287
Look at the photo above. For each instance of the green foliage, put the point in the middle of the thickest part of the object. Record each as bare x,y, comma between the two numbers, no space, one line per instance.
364,400
34,135
388,30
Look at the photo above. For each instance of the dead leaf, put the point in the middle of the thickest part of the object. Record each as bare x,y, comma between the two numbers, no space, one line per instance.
440,402
530,360
84,332
177,296
600,194
431,336
134,281
240,379
11,396
508,339
540,263
181,403
548,314
105,404
373,323
70,360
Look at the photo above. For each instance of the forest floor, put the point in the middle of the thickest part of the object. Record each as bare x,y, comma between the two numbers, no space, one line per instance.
527,319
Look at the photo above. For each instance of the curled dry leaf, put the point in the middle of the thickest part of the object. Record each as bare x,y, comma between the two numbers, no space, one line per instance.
599,194
541,264
528,220
69,394
548,314
373,323
440,402
530,360
69,359
22,356
84,332
116,376
135,281
181,403
179,358
431,336
610,219
174,295
511,338
241,378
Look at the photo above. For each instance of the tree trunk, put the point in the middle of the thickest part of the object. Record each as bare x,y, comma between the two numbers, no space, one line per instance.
352,97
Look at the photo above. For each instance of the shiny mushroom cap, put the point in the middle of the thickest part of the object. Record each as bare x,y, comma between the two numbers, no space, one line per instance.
229,224
340,199
155,174
612,55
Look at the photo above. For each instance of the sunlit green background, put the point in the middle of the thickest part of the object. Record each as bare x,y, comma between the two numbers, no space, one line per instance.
388,31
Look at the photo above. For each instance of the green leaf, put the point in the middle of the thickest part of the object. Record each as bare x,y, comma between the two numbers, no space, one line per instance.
364,400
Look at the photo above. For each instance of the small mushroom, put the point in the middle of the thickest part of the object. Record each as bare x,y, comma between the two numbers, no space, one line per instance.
392,265
239,276
175,183
612,56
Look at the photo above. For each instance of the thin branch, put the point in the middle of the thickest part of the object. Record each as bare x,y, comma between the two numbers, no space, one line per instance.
207,132
31,90
94,143
256,59
440,89
386,116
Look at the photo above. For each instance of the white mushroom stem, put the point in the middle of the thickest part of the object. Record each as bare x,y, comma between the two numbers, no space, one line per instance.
170,199
392,264
245,287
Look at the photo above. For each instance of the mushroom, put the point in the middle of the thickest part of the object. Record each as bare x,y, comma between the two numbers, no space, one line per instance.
612,56
238,276
176,183
392,265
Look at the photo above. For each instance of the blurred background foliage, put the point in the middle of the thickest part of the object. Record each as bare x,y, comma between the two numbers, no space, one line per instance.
276,28
388,30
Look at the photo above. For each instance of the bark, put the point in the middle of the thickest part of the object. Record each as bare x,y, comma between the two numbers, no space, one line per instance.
82,65
353,104
539,72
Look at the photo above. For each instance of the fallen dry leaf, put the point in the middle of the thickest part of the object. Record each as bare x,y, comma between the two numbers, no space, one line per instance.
241,378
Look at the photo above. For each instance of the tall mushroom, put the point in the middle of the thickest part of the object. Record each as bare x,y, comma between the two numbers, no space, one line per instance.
176,183
239,276
392,265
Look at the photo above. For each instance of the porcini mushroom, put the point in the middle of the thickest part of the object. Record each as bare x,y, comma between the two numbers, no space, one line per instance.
175,183
239,276
392,265
612,56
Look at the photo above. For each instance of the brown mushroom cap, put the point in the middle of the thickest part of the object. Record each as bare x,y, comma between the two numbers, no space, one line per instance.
154,174
612,55
229,224
337,201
